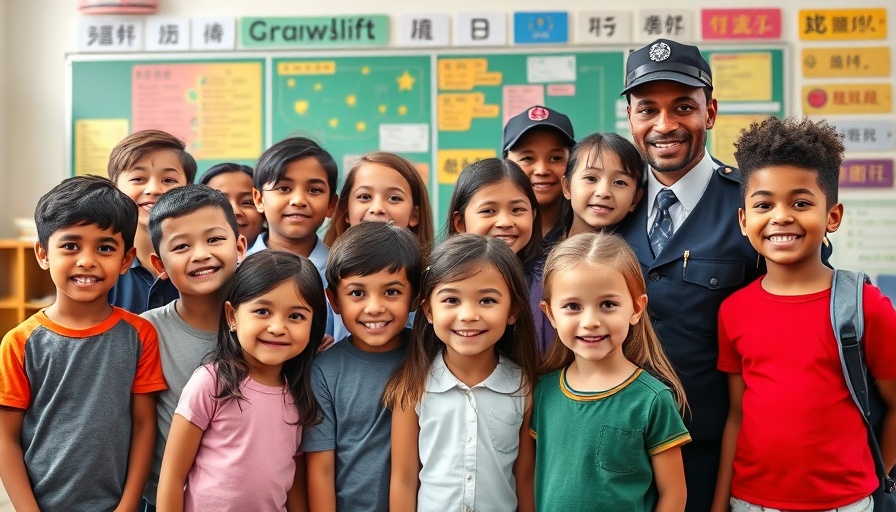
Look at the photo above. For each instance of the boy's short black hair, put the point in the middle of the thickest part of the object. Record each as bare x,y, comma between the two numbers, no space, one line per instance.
799,142
185,200
370,247
86,200
272,163
224,168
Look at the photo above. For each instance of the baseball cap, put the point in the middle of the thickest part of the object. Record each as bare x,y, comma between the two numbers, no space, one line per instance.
664,59
534,117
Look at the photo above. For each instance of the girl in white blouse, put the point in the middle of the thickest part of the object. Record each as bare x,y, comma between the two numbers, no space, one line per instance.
461,400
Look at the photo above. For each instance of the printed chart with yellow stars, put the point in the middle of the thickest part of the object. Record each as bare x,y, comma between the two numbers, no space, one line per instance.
352,105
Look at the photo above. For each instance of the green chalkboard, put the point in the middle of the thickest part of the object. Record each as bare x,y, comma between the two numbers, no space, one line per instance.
477,93
215,105
353,105
439,109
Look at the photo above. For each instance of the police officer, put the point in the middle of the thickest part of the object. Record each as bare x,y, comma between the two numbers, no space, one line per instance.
686,235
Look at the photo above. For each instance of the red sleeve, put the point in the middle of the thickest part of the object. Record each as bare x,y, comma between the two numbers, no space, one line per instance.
879,338
149,378
15,389
729,360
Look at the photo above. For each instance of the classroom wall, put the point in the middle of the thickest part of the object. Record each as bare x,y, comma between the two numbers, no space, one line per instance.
35,35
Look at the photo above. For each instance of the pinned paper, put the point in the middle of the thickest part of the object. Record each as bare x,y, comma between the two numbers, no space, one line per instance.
742,76
404,138
94,140
846,62
465,74
519,98
457,111
452,161
871,98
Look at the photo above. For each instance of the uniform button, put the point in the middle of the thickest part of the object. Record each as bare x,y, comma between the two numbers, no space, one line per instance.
655,276
713,282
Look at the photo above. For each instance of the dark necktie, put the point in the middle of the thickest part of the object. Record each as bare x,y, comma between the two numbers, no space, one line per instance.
661,230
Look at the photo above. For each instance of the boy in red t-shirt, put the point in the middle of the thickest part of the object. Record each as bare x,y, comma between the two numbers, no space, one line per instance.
794,439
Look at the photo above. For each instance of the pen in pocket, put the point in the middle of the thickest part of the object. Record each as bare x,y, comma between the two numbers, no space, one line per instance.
687,254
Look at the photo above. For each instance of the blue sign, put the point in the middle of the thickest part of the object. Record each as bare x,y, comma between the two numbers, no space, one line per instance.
540,27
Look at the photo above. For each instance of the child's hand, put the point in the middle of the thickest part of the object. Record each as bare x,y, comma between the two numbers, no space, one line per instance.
326,343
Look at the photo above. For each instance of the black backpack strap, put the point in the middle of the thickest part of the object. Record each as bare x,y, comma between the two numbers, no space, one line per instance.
848,323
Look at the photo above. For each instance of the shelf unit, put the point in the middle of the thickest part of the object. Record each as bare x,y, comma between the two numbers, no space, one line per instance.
25,288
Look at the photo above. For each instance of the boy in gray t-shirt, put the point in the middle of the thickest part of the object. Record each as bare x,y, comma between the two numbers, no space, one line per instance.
373,279
197,246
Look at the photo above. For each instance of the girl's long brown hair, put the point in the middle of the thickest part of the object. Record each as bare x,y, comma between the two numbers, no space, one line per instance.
586,252
424,228
457,258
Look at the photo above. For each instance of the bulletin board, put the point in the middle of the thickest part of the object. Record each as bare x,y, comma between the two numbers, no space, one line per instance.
216,106
439,109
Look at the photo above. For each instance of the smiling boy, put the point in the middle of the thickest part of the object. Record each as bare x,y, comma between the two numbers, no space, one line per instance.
77,379
794,439
197,248
373,273
539,141
145,165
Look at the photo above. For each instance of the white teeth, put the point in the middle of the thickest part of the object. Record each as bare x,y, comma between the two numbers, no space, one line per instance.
665,145
779,239
374,325
203,272
84,279
468,333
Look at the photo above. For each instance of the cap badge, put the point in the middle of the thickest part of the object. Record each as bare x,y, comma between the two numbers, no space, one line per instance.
538,113
660,52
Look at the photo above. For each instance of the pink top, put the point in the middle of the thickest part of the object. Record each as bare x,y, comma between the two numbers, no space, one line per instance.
245,459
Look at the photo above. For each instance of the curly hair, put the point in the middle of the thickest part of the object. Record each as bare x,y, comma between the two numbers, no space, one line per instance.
799,142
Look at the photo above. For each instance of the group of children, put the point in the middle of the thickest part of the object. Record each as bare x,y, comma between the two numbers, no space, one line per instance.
511,367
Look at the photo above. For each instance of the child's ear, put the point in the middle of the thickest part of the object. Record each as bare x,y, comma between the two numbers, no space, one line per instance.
640,306
128,260
41,254
157,265
637,199
546,309
742,221
241,245
564,185
415,217
230,315
332,206
457,220
427,310
331,298
258,200
835,217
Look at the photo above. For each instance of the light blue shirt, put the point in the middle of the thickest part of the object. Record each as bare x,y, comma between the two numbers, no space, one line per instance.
469,439
689,189
318,258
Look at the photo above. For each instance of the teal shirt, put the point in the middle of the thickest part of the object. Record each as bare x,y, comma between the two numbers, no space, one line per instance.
593,449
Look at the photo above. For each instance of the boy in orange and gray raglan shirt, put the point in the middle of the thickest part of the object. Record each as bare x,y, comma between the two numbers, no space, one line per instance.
78,378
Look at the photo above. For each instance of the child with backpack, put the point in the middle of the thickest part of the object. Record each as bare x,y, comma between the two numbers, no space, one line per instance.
794,438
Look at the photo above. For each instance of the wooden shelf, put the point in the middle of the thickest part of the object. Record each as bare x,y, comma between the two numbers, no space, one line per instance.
21,279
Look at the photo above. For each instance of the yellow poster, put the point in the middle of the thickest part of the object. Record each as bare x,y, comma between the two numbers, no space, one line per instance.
94,140
868,98
465,74
452,161
726,132
742,76
843,24
456,111
871,61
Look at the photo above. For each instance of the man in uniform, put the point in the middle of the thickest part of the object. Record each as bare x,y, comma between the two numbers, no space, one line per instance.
686,235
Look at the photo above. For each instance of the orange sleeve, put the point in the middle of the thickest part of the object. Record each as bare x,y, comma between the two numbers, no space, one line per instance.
149,378
15,389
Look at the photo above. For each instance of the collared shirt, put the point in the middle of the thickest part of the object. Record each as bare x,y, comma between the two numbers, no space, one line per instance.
469,439
139,291
318,258
689,189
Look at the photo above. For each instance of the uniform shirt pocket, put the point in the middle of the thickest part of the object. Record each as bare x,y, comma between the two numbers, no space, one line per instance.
715,279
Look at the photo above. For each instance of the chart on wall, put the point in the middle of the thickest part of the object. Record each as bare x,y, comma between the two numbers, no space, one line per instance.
353,105
749,87
215,106
477,94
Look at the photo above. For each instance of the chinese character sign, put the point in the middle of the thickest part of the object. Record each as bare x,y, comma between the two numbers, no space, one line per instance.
670,24
735,24
110,34
842,24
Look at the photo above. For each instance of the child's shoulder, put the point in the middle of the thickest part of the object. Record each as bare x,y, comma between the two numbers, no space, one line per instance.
649,384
